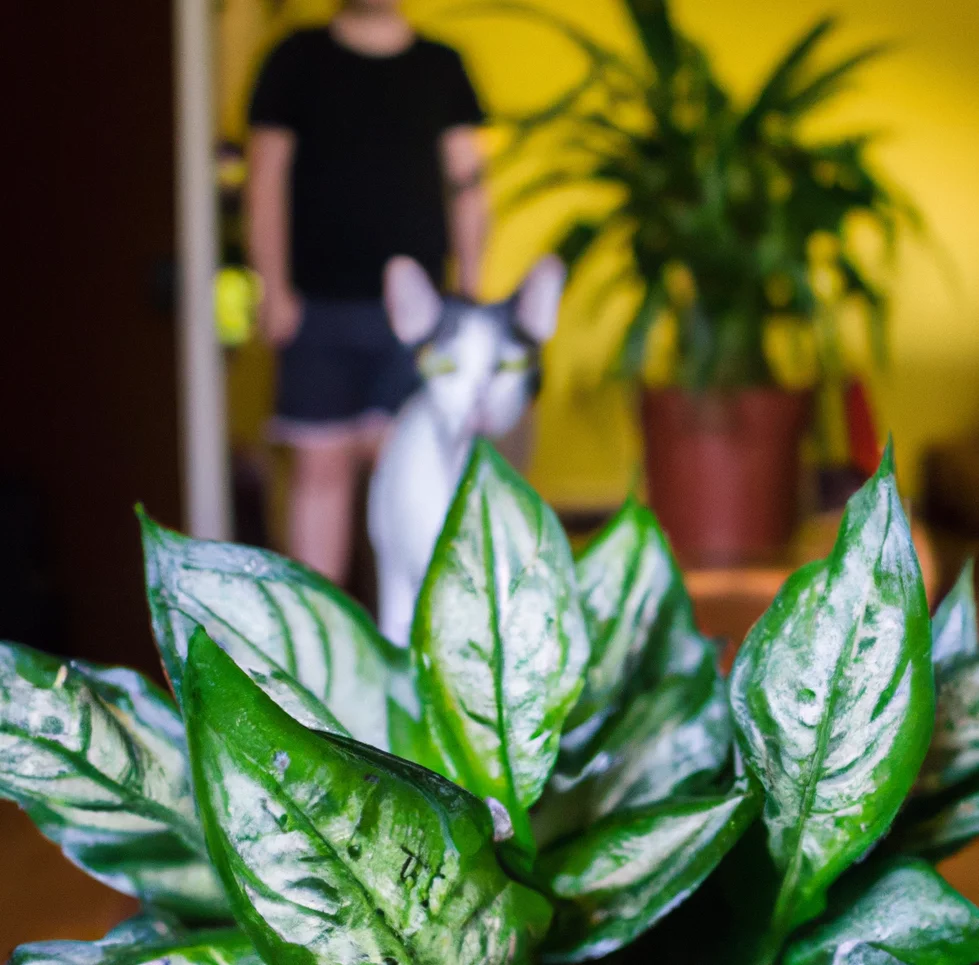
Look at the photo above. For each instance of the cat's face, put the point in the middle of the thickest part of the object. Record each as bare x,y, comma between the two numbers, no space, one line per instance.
481,363
479,374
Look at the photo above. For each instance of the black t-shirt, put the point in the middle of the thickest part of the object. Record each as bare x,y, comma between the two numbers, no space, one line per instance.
367,178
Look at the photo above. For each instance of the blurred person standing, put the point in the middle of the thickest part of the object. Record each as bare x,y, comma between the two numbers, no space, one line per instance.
362,146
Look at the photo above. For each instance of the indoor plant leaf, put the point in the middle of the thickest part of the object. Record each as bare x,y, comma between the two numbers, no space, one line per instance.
659,37
334,852
954,635
144,940
97,759
673,739
653,720
833,699
906,914
623,874
669,741
783,79
954,752
310,647
941,826
499,639
944,814
625,577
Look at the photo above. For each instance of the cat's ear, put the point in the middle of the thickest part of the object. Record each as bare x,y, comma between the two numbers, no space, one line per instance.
539,299
412,303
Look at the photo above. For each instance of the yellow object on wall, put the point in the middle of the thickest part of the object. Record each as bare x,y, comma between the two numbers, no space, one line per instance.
924,94
236,292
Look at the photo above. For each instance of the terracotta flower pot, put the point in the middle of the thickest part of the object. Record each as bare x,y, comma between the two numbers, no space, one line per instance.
723,470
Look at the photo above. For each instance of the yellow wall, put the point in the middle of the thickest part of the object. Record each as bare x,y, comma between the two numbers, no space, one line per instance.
925,93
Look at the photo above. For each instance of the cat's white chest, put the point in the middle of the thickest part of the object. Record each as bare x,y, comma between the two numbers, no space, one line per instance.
413,484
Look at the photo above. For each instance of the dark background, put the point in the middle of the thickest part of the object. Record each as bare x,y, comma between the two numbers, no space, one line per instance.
88,369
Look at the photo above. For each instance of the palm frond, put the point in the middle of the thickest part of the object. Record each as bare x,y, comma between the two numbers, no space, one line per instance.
876,303
609,287
657,33
544,184
632,353
555,110
830,82
525,125
577,242
785,74
734,195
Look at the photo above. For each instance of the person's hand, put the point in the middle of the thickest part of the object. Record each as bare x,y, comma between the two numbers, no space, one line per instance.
279,316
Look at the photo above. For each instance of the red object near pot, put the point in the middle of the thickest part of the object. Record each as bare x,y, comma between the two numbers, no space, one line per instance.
865,450
723,470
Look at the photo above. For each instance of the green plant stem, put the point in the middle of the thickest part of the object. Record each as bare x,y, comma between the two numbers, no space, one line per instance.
777,932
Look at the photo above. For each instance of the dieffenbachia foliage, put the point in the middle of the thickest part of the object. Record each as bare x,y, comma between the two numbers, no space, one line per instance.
833,700
337,851
146,940
545,776
305,643
626,872
653,722
97,758
904,913
499,640
944,813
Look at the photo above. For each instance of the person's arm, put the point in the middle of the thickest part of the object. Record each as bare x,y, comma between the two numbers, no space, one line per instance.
270,156
468,205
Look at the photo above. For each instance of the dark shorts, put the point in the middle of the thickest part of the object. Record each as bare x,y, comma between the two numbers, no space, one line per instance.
343,365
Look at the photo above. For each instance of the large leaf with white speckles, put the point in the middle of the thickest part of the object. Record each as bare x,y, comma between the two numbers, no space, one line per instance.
499,639
833,699
955,638
944,813
628,871
145,940
953,756
97,759
653,721
628,582
954,753
310,647
905,914
336,853
941,825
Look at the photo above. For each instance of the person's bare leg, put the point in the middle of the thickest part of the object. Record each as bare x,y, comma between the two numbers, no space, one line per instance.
372,433
321,506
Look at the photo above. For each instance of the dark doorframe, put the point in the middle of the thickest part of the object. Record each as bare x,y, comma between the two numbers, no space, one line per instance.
88,389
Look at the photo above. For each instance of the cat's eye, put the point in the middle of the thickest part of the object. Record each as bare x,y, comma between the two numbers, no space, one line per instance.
513,365
430,363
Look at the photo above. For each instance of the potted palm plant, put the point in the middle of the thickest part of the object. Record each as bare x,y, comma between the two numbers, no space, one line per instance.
732,219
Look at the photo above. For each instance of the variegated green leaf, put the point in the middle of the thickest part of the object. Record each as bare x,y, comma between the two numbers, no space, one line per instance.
653,721
336,853
627,581
954,752
668,741
955,638
499,639
621,876
938,827
305,643
833,698
146,940
905,915
97,759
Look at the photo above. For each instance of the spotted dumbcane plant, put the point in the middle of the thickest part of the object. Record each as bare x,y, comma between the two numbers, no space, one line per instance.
554,771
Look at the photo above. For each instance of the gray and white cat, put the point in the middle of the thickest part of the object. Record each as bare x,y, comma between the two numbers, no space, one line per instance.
480,365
